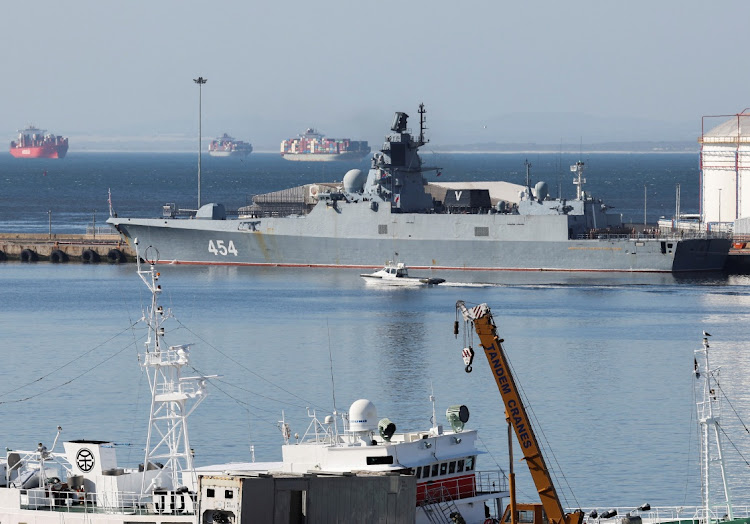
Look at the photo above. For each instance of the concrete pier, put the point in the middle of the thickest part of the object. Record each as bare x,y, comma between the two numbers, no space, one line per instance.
61,248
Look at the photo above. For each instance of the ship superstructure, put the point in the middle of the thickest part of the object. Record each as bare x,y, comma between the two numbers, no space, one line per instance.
365,219
84,484
314,146
33,142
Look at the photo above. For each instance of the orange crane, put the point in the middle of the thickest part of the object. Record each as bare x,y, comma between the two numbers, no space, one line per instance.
515,412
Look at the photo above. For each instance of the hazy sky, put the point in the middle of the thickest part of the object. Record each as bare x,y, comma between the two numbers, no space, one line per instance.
544,72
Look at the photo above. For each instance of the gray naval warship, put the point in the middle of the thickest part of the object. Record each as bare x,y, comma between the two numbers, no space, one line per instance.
392,210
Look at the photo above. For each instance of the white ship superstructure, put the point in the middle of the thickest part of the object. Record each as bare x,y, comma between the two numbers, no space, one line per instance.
84,484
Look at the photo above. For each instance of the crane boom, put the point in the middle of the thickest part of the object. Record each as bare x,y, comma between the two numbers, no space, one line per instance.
515,411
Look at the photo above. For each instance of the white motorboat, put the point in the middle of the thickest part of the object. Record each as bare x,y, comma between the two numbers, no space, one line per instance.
397,274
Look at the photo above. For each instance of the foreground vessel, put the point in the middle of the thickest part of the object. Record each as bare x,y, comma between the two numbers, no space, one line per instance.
312,146
83,483
352,468
393,209
37,143
226,145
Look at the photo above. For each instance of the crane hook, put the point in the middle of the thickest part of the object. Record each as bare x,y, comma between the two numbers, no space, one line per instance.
468,355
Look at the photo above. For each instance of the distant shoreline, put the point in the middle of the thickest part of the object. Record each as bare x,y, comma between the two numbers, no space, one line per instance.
424,152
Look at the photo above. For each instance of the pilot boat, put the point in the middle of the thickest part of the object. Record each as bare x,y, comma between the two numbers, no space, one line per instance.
397,274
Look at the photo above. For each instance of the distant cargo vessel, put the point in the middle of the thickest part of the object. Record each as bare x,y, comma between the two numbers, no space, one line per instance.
227,146
313,146
37,143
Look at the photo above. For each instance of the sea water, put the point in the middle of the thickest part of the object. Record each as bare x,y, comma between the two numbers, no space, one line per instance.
605,361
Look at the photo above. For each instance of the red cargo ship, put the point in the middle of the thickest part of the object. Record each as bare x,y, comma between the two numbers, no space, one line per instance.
37,143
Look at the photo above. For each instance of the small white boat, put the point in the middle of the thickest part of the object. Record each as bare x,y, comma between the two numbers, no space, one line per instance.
397,274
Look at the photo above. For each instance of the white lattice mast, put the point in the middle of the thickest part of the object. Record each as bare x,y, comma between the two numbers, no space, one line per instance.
173,397
709,415
579,181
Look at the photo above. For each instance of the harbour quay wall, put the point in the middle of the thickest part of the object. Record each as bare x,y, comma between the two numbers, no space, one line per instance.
61,248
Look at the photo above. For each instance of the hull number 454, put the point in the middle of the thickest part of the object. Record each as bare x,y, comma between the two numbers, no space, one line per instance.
219,248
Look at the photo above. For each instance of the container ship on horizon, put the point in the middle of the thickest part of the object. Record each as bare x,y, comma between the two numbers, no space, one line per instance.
312,146
37,143
226,145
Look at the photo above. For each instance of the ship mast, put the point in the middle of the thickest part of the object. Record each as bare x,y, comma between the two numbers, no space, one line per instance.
422,126
709,414
579,181
173,397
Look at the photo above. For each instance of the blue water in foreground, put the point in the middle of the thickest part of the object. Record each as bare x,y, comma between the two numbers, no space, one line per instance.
605,361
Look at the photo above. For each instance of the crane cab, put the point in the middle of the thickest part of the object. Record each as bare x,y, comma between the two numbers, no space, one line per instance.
527,514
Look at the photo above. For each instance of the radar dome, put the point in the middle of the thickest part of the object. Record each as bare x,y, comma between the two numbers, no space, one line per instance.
540,190
362,415
354,181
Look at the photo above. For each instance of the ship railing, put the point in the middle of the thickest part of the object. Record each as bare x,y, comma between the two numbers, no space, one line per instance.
72,501
100,230
663,515
481,483
655,235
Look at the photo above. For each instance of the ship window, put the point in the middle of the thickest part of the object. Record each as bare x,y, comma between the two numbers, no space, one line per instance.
481,231
382,229
434,470
426,471
443,468
374,461
228,494
210,493
460,466
469,463
419,472
452,467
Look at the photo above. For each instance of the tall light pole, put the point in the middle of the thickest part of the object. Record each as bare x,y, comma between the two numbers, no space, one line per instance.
200,81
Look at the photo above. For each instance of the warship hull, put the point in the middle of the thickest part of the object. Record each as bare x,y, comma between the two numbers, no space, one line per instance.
361,238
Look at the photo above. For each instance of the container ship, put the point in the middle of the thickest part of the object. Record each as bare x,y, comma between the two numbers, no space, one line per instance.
313,146
227,146
37,143
368,216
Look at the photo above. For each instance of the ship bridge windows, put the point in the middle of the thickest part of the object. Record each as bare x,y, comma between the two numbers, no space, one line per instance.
444,468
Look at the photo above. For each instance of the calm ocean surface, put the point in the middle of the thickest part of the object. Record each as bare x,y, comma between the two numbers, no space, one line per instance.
605,360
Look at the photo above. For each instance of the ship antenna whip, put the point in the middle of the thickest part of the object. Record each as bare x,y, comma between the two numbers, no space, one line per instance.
333,385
